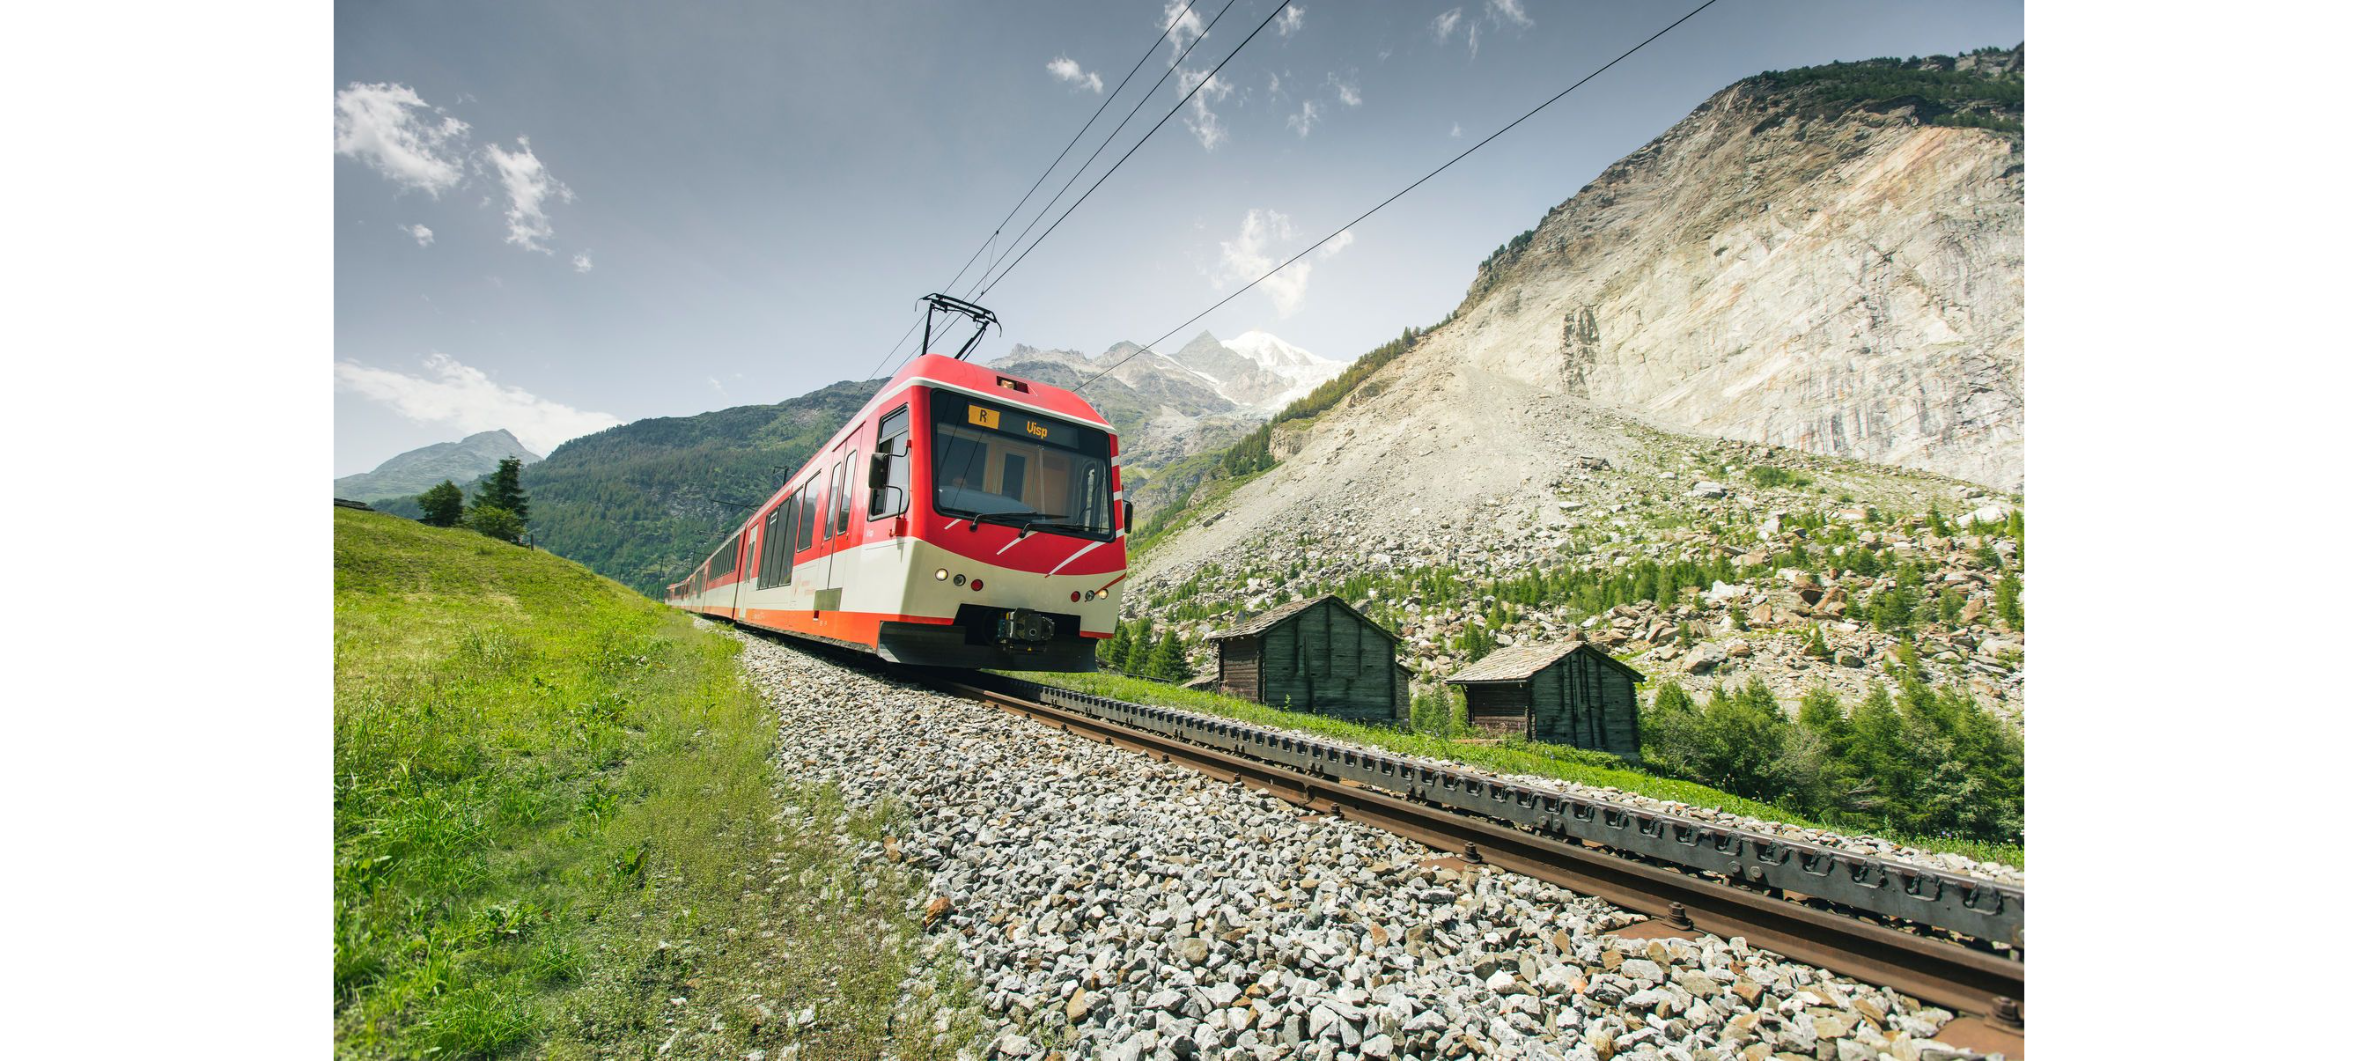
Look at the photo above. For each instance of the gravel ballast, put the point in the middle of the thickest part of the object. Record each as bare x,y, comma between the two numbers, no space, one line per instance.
1108,905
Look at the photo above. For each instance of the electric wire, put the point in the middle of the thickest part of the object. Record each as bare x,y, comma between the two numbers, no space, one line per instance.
1231,296
1044,174
1142,140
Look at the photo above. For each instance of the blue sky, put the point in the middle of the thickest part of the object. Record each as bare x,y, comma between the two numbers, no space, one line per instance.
552,217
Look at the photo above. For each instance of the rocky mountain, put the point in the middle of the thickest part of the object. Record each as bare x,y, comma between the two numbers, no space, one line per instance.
409,474
1161,411
1821,267
1198,398
1256,370
643,502
1828,259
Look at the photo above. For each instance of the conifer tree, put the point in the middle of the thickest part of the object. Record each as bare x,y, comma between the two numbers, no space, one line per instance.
505,490
443,505
1117,647
1169,662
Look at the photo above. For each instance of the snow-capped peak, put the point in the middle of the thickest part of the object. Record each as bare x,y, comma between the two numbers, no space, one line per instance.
1281,357
1296,371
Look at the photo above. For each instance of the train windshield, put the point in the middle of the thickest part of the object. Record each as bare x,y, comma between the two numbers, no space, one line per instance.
1005,465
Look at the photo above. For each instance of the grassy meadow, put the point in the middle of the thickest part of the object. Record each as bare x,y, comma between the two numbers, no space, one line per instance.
559,833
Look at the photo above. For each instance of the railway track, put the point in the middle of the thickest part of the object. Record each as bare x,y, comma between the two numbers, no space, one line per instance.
1952,941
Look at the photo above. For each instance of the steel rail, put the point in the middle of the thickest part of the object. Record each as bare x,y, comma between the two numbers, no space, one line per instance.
1454,811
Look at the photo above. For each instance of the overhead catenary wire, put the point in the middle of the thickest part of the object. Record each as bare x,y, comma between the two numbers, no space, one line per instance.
989,240
1101,178
1388,200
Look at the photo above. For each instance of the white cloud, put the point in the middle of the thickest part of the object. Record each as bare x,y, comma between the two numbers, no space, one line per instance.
422,234
1455,131
1200,119
1445,24
1189,26
1255,251
469,401
1301,121
1497,14
581,262
1290,21
391,129
1204,124
1069,72
529,187
1509,13
1347,91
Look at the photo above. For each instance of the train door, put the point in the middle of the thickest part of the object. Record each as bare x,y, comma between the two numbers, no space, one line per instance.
846,543
809,571
743,544
831,594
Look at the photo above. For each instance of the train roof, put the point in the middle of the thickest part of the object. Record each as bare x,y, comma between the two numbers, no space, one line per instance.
986,381
935,370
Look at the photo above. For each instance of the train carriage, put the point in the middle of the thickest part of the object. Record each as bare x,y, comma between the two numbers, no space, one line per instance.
964,518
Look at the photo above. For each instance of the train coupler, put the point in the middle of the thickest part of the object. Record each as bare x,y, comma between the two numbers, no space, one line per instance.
1025,630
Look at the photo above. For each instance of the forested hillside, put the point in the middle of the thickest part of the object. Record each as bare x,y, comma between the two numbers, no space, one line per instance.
641,503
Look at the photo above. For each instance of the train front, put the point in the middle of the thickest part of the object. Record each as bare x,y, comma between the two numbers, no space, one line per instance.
1016,510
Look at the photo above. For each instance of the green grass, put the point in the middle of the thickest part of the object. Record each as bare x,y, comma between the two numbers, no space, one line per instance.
1511,756
556,812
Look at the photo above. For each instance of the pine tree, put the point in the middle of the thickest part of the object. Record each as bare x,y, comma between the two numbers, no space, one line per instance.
2010,601
1169,662
505,490
1134,659
444,505
1115,648
1952,607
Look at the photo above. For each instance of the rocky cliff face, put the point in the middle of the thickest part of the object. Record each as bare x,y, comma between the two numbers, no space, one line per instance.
1803,261
1809,268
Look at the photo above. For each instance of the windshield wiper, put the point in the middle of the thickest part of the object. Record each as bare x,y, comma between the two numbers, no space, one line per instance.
1018,518
1047,523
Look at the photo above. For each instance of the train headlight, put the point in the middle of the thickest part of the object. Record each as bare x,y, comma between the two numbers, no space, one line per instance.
976,585
958,581
940,573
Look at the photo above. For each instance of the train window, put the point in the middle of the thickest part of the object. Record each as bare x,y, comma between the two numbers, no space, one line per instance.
808,517
892,440
767,574
1004,464
843,481
724,562
785,543
1011,476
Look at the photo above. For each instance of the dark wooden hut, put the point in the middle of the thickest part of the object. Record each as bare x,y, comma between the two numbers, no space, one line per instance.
1568,692
1318,655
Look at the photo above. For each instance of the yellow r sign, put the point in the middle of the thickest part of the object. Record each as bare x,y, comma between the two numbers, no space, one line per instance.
989,418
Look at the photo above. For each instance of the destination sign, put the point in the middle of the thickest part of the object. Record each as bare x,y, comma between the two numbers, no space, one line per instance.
1016,422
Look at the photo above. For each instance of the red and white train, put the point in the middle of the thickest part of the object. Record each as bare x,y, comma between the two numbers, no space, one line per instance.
964,518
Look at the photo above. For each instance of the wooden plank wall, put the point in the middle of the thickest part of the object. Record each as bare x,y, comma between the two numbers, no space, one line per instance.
1503,709
1330,663
1240,667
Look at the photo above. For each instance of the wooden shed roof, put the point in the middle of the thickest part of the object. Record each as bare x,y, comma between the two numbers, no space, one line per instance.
1262,622
1520,662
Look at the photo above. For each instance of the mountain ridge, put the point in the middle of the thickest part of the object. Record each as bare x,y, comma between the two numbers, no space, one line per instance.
409,473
